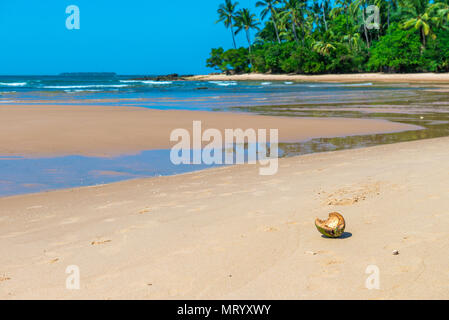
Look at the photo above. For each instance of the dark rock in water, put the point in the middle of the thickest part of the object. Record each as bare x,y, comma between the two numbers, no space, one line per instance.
202,88
168,77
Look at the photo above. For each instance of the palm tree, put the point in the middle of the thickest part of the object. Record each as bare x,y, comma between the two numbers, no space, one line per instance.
323,48
320,11
316,15
360,5
246,20
345,4
419,17
268,6
441,11
284,22
226,13
390,4
354,41
325,8
291,9
267,33
303,9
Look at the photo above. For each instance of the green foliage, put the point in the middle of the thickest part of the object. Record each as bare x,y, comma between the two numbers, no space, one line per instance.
437,54
304,61
235,60
399,51
325,36
215,60
344,60
269,56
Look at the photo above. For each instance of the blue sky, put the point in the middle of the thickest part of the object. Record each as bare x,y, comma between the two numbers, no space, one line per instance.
126,36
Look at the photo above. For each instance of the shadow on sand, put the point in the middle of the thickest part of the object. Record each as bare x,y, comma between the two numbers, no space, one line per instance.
345,235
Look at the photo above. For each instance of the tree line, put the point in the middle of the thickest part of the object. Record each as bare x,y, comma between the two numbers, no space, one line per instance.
324,36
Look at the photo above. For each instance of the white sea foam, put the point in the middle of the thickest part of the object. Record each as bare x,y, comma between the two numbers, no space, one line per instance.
13,84
88,86
224,83
147,82
80,90
156,82
266,83
288,82
356,84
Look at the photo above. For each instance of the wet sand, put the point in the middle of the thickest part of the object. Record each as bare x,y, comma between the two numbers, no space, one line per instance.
54,130
230,233
358,77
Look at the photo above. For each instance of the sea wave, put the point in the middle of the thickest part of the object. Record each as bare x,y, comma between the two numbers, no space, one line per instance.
157,82
266,83
13,84
356,84
224,83
88,86
147,82
81,90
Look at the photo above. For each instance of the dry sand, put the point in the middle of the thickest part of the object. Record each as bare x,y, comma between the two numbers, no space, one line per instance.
358,77
230,233
40,130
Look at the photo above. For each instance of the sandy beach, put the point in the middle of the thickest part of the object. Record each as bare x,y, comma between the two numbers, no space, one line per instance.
52,130
440,78
230,233
224,233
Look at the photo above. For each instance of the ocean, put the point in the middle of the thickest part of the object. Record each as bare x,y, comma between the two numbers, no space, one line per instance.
188,95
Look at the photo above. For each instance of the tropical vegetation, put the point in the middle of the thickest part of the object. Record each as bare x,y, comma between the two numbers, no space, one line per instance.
336,36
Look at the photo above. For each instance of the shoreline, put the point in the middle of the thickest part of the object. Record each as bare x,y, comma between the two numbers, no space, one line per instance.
58,130
228,233
429,78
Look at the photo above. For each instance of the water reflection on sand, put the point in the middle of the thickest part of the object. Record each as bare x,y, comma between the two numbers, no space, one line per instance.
27,175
